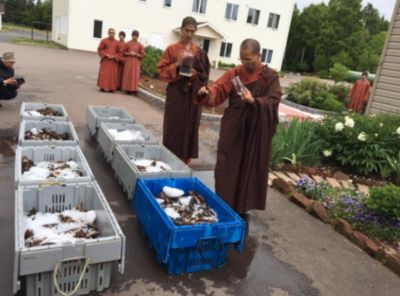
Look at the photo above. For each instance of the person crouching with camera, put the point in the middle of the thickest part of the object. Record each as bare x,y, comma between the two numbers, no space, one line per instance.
8,82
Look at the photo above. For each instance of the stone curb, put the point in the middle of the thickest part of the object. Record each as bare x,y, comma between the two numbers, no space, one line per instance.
387,255
305,108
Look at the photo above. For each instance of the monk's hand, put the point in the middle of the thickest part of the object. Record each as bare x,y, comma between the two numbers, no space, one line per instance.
247,96
203,91
10,81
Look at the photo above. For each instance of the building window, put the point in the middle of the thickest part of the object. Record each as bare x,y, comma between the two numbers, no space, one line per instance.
266,55
273,20
98,29
200,6
253,16
226,50
167,3
231,12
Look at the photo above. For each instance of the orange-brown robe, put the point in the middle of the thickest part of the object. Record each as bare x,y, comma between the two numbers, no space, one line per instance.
182,116
244,147
131,76
121,58
359,94
108,73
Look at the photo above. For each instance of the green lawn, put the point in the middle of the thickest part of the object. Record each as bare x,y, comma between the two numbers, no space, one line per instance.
37,43
6,27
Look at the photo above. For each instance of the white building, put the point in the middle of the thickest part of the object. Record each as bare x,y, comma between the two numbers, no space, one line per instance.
1,14
224,24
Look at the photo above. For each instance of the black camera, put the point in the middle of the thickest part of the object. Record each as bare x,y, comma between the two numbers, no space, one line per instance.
20,80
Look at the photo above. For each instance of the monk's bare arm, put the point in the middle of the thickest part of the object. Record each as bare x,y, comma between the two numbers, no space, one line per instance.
167,67
218,92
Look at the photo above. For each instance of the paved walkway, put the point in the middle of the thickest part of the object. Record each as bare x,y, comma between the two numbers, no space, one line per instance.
288,252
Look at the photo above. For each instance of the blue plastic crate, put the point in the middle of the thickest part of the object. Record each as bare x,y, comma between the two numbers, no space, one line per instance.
187,248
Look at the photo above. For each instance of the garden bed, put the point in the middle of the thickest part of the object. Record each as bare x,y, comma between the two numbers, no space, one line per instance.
362,216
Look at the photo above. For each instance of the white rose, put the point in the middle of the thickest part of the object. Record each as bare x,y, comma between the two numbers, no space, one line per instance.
381,124
362,137
398,131
349,122
376,135
327,153
339,127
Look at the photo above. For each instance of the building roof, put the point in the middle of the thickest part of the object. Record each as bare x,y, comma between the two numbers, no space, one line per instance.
207,30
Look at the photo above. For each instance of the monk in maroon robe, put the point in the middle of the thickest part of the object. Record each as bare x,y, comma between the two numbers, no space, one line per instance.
247,128
182,115
121,45
133,53
108,51
360,93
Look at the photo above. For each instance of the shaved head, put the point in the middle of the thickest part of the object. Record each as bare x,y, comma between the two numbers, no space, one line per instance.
252,44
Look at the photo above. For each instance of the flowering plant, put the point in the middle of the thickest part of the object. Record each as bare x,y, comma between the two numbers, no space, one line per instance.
360,144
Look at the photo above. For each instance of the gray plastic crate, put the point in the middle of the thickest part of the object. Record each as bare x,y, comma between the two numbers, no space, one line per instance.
108,143
37,106
58,127
95,115
37,264
127,172
50,154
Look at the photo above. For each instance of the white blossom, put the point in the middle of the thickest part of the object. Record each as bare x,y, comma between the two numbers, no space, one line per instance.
349,122
327,153
362,137
398,131
339,126
381,124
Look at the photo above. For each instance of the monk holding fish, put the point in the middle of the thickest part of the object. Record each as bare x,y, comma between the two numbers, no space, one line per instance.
186,68
247,128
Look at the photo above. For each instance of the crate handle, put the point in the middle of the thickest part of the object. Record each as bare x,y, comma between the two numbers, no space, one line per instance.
78,284
49,119
220,244
50,184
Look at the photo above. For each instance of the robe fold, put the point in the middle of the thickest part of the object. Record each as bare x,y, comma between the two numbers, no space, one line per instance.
108,72
182,116
131,76
244,147
121,58
359,94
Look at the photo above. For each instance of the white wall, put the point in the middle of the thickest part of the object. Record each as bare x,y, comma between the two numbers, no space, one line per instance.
153,20
60,21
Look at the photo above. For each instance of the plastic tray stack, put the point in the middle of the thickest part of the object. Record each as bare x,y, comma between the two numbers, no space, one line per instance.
108,143
191,248
26,107
95,115
128,173
181,249
60,269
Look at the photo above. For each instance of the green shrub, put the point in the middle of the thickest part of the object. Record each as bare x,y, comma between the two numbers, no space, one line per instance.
392,169
150,61
331,103
361,149
385,200
296,142
338,72
341,91
225,65
315,93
